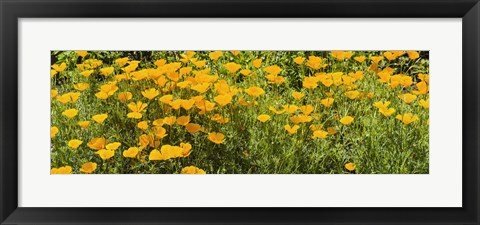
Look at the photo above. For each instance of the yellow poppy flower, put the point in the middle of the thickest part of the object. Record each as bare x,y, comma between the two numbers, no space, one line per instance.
64,99
74,143
346,120
297,95
160,132
185,70
315,62
53,131
384,77
216,138
408,98
424,103
183,120
187,147
257,63
398,53
307,109
81,86
407,118
300,119
205,106
218,118
299,60
383,108
331,130
376,59
70,113
187,104
327,102
107,71
243,102
81,53
350,166
360,59
291,130
223,100
59,68
53,73
74,96
105,154
53,93
121,61
61,170
390,56
345,80
155,155
176,104
278,112
310,82
274,79
150,93
124,96
319,134
199,63
84,124
314,127
422,88
144,140
395,80
86,73
329,94
113,146
273,70
424,77
169,120
193,128
215,55
97,143
201,88
137,109
109,88
254,91
88,167
232,67
192,170
352,94
168,152
101,95
245,72
99,118
413,55
166,99
380,104
187,56
386,111
130,153
263,118
342,55
357,75
290,108
235,53
142,125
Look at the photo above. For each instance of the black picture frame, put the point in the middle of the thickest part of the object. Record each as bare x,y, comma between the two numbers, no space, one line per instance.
12,10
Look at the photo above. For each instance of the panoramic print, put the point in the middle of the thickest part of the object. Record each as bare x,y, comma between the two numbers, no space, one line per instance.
239,112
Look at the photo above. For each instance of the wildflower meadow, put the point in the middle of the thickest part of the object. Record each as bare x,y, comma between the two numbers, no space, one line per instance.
239,112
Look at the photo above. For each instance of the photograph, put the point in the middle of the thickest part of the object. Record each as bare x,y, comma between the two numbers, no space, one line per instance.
239,112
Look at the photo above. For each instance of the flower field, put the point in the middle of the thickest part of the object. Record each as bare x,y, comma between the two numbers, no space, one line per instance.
239,112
